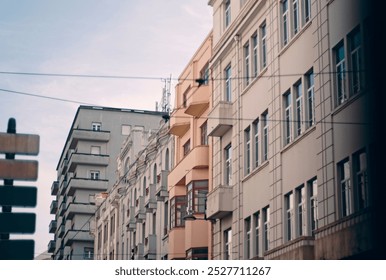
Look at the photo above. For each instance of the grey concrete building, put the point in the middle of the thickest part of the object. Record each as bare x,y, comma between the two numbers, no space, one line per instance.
86,168
289,127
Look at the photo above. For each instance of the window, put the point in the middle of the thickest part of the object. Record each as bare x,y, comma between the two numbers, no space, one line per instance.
299,108
256,129
289,208
204,134
186,147
228,165
197,254
348,67
112,224
96,126
95,150
306,11
360,172
313,204
285,21
345,188
266,228
247,135
263,36
247,228
94,175
340,74
265,136
177,211
185,98
227,12
228,244
196,196
255,46
288,116
166,219
296,21
228,85
301,211
246,63
88,253
99,237
356,60
256,218
204,74
310,98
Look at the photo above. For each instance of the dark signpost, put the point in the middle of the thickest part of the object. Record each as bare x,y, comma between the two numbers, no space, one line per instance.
17,196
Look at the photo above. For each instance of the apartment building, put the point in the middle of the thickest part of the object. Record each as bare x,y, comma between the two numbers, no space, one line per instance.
86,168
189,180
289,123
132,221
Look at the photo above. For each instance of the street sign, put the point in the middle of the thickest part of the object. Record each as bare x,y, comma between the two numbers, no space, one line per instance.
18,169
22,144
17,222
18,196
17,249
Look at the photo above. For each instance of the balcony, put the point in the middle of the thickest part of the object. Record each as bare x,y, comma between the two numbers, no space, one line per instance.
131,224
52,227
179,122
88,135
150,199
61,230
301,248
140,212
87,159
86,184
161,191
54,188
79,208
77,236
62,188
59,255
198,158
62,208
219,202
64,166
197,101
220,119
54,207
51,246
150,250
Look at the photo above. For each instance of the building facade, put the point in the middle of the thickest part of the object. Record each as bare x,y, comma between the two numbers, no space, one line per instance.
290,130
189,180
131,221
86,168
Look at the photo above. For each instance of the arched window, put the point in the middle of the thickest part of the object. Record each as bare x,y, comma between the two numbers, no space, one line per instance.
127,165
155,174
144,186
167,160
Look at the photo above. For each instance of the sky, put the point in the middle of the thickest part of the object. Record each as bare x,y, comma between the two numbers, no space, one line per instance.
150,39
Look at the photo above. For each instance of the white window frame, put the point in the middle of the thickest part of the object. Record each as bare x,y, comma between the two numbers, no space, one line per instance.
265,118
345,187
228,244
287,100
247,63
228,83
96,126
266,232
256,218
313,205
256,130
289,216
227,13
285,22
247,143
298,88
228,165
248,237
255,50
296,17
340,74
263,44
310,81
95,175
301,221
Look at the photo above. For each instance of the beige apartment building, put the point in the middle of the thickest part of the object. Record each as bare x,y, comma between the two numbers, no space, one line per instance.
290,130
189,180
131,221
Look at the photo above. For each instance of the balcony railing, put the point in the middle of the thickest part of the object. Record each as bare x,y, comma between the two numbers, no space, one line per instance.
54,207
52,227
54,187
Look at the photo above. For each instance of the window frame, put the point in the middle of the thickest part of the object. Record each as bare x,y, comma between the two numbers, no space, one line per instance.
228,165
228,83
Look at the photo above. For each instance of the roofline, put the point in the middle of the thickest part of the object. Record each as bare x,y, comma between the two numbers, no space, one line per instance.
84,107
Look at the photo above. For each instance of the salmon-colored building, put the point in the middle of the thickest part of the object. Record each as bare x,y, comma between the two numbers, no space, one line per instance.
189,180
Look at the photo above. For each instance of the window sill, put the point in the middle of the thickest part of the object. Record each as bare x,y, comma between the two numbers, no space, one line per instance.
254,80
347,103
294,38
298,139
256,170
